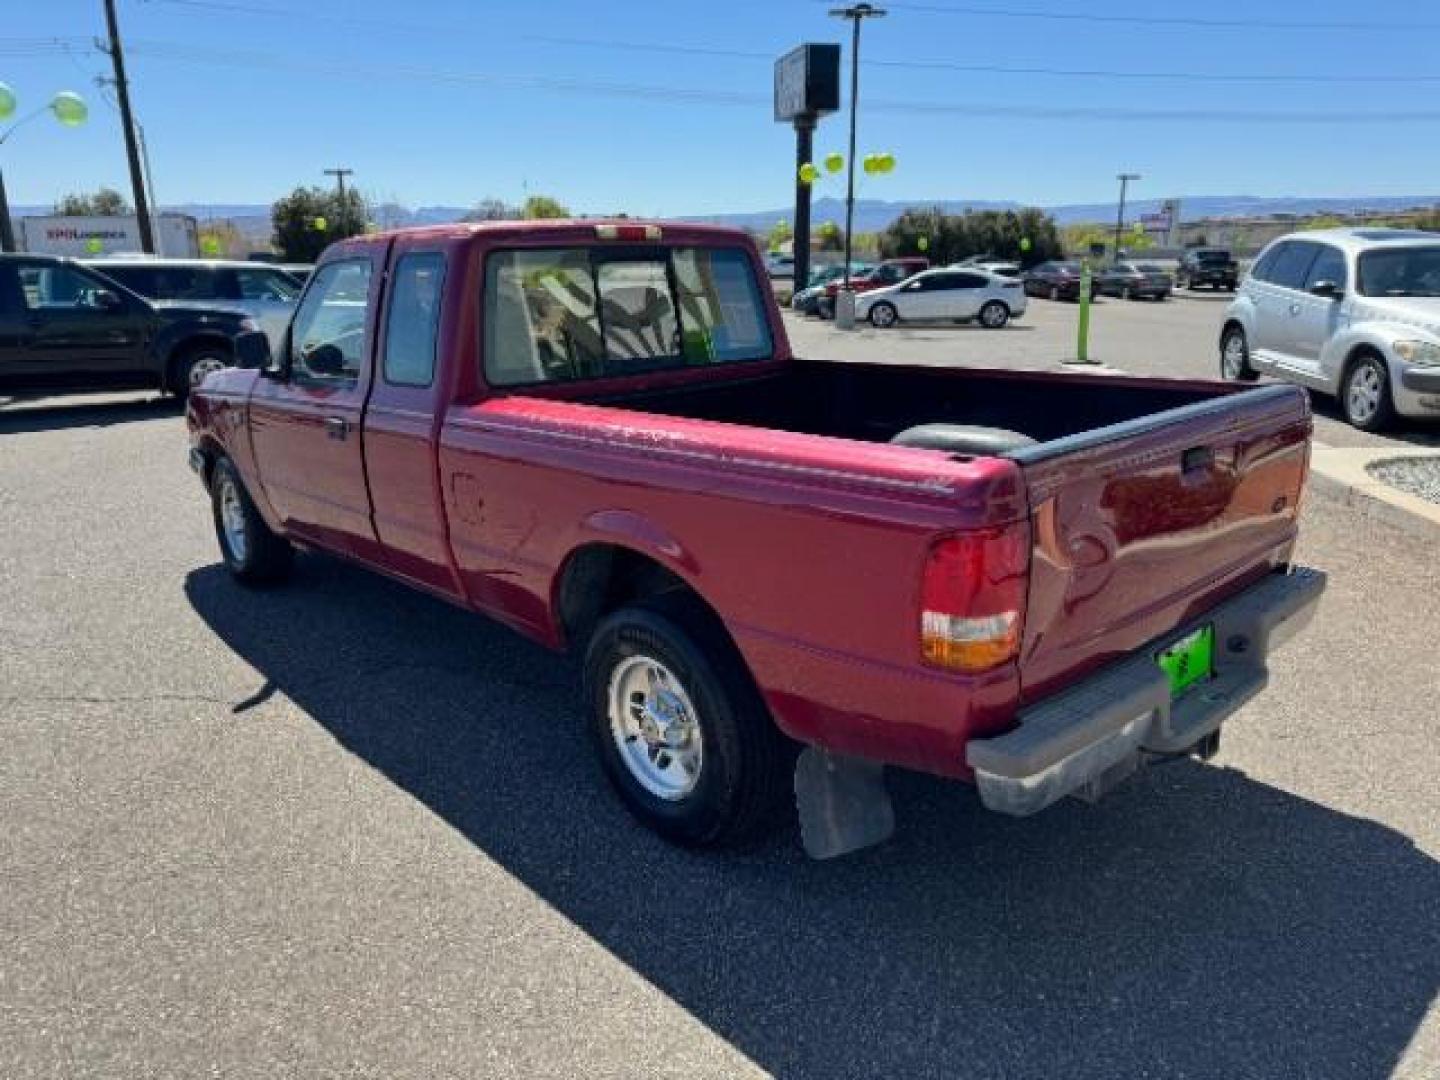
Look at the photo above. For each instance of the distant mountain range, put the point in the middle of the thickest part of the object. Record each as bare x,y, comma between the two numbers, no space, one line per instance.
871,215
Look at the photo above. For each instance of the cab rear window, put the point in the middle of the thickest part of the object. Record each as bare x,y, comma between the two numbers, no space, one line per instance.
565,314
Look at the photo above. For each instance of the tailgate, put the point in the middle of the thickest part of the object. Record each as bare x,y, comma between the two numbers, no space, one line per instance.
1141,527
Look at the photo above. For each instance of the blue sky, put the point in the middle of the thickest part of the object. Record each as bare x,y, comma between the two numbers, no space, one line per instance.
449,101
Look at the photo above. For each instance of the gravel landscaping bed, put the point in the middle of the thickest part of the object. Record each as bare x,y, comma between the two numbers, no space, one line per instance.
1418,476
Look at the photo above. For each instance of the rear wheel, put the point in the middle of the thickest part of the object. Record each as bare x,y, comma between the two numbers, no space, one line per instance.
1235,356
883,315
681,731
1366,397
994,315
252,553
193,364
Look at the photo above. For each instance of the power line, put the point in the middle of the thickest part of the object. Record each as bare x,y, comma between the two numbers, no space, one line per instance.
1184,21
180,53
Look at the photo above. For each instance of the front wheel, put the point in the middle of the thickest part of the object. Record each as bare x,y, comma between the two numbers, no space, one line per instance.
994,315
252,553
1235,357
883,315
1366,396
680,729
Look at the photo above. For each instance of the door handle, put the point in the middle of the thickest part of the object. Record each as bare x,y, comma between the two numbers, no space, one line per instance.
1294,309
337,427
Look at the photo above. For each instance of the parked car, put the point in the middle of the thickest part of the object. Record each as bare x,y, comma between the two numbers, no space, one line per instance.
990,266
1214,267
993,575
64,326
807,300
945,296
1134,281
1056,280
780,266
1354,313
888,272
263,291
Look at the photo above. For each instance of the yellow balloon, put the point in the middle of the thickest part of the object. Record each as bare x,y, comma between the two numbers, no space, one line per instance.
7,102
834,162
923,243
871,164
321,224
209,246
887,162
808,173
94,246
69,108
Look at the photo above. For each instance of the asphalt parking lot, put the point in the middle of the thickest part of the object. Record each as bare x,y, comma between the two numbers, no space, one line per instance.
342,829
1176,337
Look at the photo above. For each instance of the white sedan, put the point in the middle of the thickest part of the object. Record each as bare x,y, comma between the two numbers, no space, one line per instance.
948,295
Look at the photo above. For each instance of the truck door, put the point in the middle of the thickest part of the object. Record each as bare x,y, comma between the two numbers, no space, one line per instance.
305,421
407,400
78,326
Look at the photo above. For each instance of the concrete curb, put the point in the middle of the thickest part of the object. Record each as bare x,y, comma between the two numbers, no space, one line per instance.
1340,473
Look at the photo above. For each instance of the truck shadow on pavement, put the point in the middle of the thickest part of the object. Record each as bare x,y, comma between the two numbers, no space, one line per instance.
19,415
1197,922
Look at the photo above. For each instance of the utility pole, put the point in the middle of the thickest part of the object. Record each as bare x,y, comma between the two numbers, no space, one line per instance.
340,174
127,124
856,13
1124,179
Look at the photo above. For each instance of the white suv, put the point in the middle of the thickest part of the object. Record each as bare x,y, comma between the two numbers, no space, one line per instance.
1354,313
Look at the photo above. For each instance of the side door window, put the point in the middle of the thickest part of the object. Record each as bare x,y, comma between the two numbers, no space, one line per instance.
413,323
327,338
265,285
1292,264
1329,266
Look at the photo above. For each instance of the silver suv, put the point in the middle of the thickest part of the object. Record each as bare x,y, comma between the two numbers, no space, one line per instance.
1354,313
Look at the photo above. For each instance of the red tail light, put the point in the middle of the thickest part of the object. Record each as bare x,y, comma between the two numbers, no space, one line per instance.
628,232
972,598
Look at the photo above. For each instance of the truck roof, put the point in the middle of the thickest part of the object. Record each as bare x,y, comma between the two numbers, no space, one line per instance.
586,230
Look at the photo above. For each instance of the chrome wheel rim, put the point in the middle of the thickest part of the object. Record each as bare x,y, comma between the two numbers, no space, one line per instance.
655,727
232,519
1234,355
882,316
1366,387
993,315
205,365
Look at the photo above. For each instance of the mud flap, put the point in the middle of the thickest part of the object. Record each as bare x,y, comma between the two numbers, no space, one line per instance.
843,803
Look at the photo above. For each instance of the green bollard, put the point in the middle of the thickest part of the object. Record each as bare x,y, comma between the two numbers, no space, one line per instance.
1082,336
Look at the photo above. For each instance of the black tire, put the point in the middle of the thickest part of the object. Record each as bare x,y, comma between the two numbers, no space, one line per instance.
994,315
262,557
745,774
1366,398
193,362
1235,366
883,315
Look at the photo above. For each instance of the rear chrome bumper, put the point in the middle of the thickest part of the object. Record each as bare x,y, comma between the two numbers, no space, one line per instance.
1084,739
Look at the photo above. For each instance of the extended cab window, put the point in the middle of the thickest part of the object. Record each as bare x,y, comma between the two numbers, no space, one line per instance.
562,314
327,338
411,326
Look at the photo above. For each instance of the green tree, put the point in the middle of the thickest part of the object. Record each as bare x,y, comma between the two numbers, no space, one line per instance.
952,237
1429,220
107,202
779,233
310,219
492,209
543,206
831,236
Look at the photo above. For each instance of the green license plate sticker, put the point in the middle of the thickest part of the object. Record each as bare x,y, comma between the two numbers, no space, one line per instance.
1189,661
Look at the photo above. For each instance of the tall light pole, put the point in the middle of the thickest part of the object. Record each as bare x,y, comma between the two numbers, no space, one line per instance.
68,108
1124,178
856,13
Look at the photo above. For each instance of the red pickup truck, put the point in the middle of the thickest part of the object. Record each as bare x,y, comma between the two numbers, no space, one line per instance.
782,574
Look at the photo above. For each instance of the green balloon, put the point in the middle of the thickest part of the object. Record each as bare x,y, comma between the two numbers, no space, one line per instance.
808,173
834,162
93,246
923,243
320,224
885,162
1024,243
209,246
7,102
871,164
69,108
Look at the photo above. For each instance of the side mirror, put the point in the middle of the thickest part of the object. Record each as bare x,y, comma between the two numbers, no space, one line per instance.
106,300
325,359
252,350
1329,290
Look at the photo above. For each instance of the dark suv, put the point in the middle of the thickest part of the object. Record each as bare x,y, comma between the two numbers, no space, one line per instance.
65,326
1215,267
